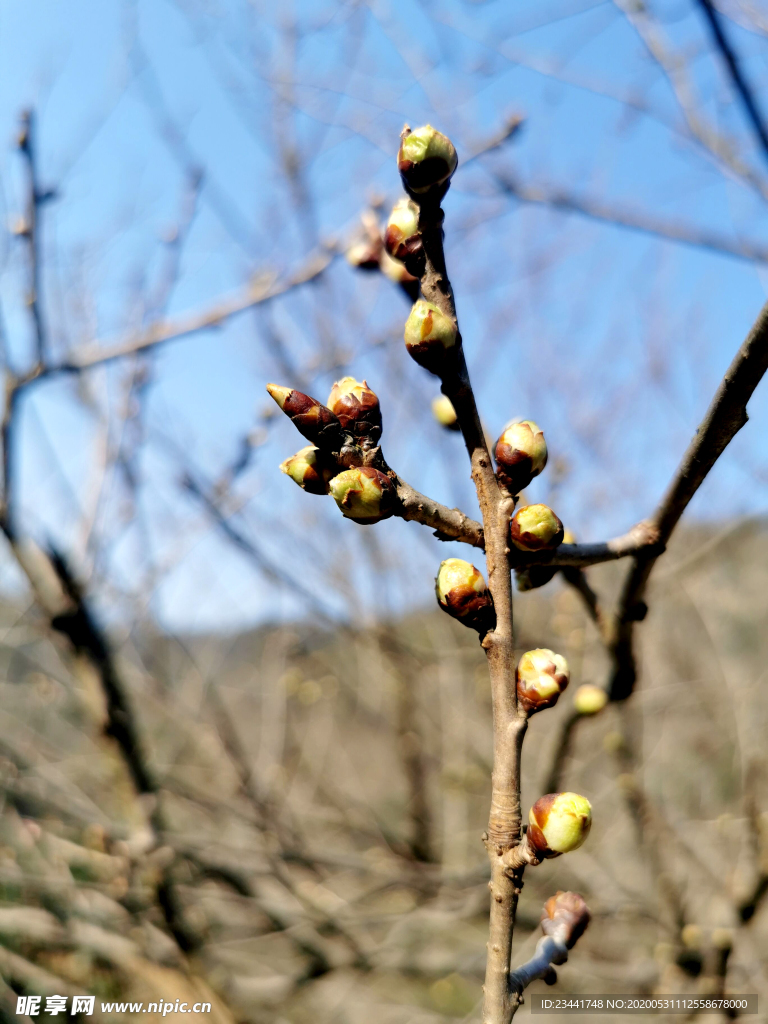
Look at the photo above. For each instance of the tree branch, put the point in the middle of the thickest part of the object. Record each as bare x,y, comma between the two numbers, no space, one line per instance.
737,75
725,417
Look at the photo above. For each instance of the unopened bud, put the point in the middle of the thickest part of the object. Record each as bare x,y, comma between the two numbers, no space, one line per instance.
559,823
364,494
364,255
590,699
402,239
444,412
307,470
535,528
521,454
534,576
357,408
395,270
429,335
311,418
541,677
565,917
461,591
426,158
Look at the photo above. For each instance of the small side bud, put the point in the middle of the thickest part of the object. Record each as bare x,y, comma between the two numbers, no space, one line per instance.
427,158
589,699
402,238
444,413
521,454
357,409
364,495
462,593
565,918
395,270
307,470
429,336
541,677
311,418
364,255
559,823
534,576
536,528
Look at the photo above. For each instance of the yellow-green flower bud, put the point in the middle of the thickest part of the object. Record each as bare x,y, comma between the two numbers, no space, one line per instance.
521,454
402,239
444,413
461,591
364,494
429,336
535,528
357,408
396,271
427,158
590,699
307,470
565,917
559,823
541,677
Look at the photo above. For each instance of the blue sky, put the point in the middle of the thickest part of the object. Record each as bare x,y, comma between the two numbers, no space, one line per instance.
612,339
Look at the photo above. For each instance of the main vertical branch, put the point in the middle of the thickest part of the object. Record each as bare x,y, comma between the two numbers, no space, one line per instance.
496,506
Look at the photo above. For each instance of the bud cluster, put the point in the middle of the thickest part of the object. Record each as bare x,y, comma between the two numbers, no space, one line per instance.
462,593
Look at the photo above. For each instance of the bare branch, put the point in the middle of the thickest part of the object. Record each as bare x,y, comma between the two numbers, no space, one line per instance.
738,78
30,229
635,220
262,289
726,415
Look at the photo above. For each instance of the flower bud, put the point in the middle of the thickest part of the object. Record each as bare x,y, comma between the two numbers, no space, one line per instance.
426,158
461,591
395,270
535,528
364,494
534,576
541,678
429,335
307,470
565,917
357,408
589,699
444,413
559,823
521,454
312,419
364,255
402,239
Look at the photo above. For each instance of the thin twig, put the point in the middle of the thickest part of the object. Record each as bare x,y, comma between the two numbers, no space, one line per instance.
738,78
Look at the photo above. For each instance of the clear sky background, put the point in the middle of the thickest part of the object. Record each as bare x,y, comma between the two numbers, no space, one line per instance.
612,339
